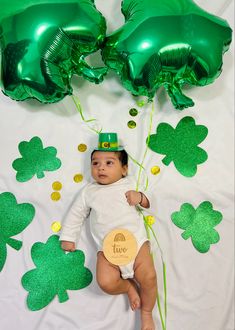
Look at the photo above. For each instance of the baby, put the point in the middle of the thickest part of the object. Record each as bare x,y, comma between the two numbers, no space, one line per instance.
110,202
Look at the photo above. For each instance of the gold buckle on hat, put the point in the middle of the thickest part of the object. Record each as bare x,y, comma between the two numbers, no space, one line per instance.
107,145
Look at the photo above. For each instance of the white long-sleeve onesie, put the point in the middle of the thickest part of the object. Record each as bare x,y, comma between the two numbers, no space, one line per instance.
108,210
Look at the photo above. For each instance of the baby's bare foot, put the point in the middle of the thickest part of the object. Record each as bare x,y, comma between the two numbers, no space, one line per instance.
133,296
147,321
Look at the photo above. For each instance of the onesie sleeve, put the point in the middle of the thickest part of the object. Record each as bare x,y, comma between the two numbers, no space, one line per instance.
150,195
72,224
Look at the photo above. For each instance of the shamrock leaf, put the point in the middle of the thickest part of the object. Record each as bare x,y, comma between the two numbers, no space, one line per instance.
14,218
198,224
180,145
56,272
35,160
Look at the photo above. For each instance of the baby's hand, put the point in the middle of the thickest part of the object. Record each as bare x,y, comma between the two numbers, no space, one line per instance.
68,246
133,197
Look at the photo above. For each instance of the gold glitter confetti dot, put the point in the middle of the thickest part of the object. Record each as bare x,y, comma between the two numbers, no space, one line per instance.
78,177
133,112
131,124
56,226
56,185
155,170
150,220
55,196
82,147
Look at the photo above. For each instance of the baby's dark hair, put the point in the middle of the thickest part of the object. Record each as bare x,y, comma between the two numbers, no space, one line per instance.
122,156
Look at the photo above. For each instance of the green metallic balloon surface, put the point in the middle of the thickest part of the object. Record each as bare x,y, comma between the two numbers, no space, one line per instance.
45,43
167,43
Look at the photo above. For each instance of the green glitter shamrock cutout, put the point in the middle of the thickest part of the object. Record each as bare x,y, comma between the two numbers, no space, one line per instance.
180,145
56,272
198,224
35,160
14,218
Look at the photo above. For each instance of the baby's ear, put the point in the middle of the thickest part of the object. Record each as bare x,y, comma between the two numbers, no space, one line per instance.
124,170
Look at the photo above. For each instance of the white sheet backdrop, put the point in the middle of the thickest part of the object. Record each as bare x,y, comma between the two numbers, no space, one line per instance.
200,286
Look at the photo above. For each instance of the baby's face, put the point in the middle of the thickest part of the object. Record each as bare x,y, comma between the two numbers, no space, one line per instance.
106,167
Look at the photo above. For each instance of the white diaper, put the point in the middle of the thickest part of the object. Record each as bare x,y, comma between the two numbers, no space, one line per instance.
127,271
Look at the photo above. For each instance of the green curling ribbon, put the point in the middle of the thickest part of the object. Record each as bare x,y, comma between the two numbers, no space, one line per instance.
56,272
162,312
81,112
141,167
198,224
141,103
150,231
14,218
35,160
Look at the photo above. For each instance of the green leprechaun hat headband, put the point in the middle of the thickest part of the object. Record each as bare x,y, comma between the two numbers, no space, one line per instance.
108,142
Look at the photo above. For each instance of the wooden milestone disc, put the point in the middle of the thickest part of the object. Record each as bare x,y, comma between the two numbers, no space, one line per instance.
120,247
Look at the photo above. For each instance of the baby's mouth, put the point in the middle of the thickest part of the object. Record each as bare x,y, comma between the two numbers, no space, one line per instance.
102,176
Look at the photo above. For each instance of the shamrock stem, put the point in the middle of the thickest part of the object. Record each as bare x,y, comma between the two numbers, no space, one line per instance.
186,234
166,160
40,175
14,243
63,296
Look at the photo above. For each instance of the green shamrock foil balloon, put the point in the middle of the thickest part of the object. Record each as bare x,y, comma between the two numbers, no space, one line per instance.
167,43
198,224
43,43
14,218
56,272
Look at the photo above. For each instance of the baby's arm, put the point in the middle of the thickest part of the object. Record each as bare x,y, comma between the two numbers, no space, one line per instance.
136,197
72,225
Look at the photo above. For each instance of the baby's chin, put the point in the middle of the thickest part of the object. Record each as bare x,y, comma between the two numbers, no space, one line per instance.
105,180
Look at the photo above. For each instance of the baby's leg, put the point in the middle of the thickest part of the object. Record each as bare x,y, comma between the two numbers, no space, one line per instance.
145,275
109,279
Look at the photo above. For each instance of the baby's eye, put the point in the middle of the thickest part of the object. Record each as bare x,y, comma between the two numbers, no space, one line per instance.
94,163
109,162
